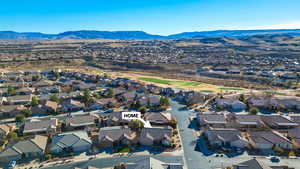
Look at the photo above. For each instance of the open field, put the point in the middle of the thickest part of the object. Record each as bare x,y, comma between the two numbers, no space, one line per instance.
175,83
169,82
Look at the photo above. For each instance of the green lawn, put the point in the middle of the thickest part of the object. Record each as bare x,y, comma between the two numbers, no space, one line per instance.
125,150
281,94
169,82
231,88
207,91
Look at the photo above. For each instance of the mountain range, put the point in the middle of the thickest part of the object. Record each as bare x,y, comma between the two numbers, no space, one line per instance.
140,35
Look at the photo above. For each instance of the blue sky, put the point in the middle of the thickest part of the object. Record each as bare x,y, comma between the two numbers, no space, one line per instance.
153,16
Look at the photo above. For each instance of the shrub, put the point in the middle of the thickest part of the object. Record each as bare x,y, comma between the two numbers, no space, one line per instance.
254,110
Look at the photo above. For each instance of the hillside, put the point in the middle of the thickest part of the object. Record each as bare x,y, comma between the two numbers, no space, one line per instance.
140,35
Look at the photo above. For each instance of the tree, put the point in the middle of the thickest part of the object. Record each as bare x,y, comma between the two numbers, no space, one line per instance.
35,78
292,154
54,98
136,125
253,110
11,90
12,136
87,97
143,109
20,118
34,101
137,104
242,98
164,101
110,92
97,96
278,149
57,75
26,112
48,156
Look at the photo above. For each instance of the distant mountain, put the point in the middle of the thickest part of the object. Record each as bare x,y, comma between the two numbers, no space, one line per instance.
124,35
140,35
24,35
234,33
84,34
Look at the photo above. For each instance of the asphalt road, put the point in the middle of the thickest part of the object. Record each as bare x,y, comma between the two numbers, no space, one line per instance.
110,162
193,159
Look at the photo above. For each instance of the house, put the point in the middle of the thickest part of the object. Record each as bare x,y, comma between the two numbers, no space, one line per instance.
151,101
156,136
19,99
25,91
295,119
103,104
259,102
117,135
76,142
154,89
7,111
42,83
278,122
163,118
88,167
5,129
31,148
262,140
244,121
212,120
168,92
40,126
48,89
71,105
191,97
114,119
294,135
81,121
50,106
221,137
128,97
251,164
149,163
231,104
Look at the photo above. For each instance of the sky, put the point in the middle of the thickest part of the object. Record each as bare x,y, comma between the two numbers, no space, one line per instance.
161,17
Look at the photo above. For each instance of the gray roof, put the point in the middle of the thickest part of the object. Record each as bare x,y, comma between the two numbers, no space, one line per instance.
213,118
248,119
66,140
152,163
10,152
114,133
81,120
157,133
36,144
268,137
19,98
252,164
278,120
296,119
227,135
42,125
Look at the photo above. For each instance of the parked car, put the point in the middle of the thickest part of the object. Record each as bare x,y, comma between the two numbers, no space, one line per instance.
274,159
